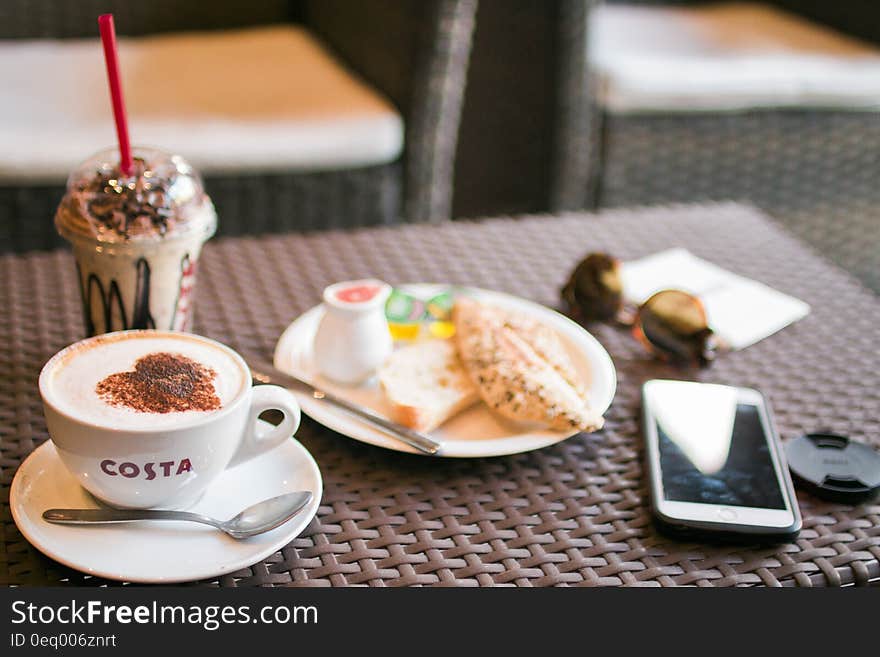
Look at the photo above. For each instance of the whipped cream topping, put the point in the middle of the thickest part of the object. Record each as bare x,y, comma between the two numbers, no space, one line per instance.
162,196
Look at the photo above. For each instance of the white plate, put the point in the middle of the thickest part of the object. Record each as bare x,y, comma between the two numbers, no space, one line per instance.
476,432
163,552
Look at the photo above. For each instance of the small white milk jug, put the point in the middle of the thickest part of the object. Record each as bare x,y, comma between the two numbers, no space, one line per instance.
352,339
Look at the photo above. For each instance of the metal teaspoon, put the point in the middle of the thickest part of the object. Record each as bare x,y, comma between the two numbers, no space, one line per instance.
261,517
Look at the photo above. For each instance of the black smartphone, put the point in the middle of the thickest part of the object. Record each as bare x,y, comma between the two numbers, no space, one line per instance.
716,465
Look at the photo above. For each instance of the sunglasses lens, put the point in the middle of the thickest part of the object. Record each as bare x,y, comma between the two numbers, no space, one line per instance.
595,290
673,323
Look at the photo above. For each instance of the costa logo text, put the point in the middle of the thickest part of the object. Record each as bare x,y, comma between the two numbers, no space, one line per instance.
147,471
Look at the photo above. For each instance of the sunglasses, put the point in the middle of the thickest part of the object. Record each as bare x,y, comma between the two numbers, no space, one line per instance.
671,324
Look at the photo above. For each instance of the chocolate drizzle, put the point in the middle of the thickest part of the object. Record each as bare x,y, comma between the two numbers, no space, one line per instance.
162,383
109,300
140,316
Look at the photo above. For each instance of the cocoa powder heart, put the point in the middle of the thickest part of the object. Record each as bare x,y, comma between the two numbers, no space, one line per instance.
162,383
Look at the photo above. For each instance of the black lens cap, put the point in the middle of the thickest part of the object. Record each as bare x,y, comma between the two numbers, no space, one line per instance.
834,467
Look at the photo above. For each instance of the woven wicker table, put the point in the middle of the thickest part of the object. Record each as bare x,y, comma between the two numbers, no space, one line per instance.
572,514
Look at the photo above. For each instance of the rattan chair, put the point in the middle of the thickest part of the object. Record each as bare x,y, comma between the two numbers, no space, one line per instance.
414,52
815,170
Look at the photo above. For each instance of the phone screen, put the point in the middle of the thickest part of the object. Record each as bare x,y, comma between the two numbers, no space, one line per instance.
718,454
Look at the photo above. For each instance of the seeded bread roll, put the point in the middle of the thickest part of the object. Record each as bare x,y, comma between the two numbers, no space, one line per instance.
521,368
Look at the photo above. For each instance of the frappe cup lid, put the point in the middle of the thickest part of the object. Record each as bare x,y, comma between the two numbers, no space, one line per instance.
162,199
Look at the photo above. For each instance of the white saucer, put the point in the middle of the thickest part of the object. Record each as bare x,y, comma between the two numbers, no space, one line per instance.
476,432
163,552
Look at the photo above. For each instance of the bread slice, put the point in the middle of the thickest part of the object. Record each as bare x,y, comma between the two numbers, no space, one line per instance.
521,368
426,384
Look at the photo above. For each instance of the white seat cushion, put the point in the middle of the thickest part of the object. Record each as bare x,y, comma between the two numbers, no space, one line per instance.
267,99
729,56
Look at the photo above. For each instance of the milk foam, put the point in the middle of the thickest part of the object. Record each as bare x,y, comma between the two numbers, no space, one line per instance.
72,382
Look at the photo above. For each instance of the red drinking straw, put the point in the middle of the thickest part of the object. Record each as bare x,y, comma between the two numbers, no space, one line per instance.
108,38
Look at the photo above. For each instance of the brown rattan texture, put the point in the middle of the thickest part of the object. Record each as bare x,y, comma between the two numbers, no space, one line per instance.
575,513
813,170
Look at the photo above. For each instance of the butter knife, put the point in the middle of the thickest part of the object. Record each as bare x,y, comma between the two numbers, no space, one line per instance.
265,373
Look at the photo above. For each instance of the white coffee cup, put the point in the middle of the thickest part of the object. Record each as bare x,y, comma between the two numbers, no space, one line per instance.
163,461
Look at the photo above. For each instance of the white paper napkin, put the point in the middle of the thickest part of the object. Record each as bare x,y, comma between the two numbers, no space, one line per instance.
740,311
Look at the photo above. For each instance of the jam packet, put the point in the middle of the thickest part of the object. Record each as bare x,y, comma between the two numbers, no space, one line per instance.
411,317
